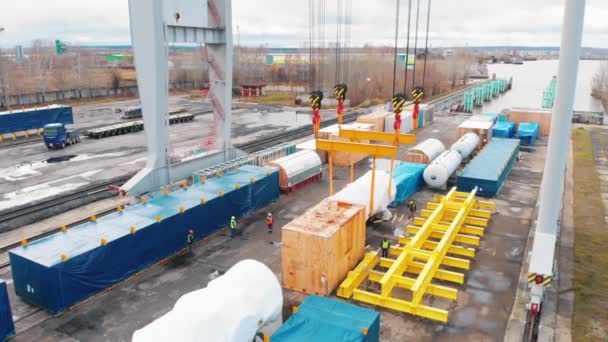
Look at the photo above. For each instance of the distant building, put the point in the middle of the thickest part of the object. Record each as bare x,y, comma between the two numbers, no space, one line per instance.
248,90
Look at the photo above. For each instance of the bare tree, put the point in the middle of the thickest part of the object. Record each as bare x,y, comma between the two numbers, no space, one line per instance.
599,83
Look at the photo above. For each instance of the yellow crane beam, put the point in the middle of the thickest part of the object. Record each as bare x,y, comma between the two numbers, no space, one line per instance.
371,149
354,134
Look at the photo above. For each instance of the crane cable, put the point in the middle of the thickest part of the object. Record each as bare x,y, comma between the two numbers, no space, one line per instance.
426,44
416,45
407,47
397,3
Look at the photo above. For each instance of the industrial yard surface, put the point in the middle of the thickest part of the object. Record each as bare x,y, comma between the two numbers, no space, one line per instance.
481,312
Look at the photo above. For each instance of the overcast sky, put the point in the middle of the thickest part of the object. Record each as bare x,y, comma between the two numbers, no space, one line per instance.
285,22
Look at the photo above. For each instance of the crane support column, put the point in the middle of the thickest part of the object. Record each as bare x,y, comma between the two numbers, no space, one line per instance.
154,25
547,227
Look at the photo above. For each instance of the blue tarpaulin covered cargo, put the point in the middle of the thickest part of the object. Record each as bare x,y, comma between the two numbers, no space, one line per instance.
34,118
503,129
7,327
490,167
321,319
41,278
527,132
408,179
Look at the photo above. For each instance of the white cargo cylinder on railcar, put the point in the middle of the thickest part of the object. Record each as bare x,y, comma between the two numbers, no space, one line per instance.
436,175
466,144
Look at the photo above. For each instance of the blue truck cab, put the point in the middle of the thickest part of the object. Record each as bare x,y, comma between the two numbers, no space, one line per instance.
56,135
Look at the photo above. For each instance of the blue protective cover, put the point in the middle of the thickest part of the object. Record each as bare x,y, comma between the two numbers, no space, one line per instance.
489,169
41,278
326,320
527,132
7,327
503,129
502,117
34,118
408,179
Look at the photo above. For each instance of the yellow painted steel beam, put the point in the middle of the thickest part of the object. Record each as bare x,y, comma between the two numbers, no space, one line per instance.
415,267
447,261
450,217
438,234
371,149
478,204
474,212
377,136
407,283
464,229
431,245
401,305
425,277
357,275
401,263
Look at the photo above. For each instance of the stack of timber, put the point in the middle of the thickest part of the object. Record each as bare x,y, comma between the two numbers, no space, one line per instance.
298,169
345,158
425,152
311,145
489,169
483,129
322,245
376,119
540,116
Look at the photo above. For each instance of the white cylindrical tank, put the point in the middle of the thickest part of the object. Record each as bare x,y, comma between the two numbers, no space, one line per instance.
439,171
358,192
232,308
466,144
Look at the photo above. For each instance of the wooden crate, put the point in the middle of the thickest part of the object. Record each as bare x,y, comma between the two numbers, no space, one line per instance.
328,239
376,119
483,129
540,116
416,156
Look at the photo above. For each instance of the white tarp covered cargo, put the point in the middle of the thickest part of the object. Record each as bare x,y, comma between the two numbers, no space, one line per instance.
232,308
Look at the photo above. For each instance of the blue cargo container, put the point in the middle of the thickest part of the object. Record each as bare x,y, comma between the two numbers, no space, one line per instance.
7,327
161,224
321,319
503,129
34,118
527,132
490,167
408,179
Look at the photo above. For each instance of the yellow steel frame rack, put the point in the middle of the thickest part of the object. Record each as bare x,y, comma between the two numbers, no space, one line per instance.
448,226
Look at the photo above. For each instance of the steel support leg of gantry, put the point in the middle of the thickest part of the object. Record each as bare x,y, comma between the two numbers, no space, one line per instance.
154,25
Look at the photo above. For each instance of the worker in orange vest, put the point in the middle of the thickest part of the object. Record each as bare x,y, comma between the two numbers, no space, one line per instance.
269,222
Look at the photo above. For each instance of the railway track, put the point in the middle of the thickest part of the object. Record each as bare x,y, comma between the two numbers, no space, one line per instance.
292,134
33,212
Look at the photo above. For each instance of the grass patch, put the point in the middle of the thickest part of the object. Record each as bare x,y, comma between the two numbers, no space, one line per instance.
590,320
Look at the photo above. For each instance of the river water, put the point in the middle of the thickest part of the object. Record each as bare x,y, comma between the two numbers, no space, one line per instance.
530,80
